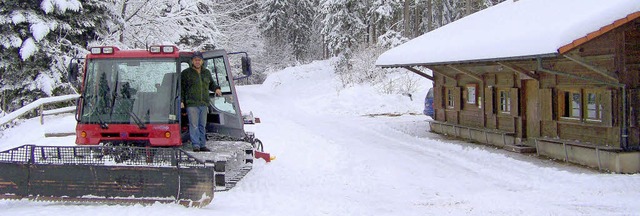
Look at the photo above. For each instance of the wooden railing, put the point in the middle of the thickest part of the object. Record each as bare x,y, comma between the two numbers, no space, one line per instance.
39,104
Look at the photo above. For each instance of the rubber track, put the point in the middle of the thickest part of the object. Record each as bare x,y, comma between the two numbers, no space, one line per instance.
229,184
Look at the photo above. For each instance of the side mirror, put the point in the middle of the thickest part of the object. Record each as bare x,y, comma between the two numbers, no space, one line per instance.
246,65
72,71
245,62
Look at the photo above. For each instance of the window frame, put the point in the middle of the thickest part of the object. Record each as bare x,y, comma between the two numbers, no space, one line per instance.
598,103
450,99
566,106
568,96
472,94
504,103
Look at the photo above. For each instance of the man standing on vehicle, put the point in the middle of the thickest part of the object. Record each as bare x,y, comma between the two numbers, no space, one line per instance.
196,83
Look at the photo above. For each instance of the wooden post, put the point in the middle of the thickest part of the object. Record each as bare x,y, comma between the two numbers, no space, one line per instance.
566,155
41,115
598,156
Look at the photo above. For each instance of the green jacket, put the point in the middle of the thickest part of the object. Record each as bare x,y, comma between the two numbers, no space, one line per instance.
195,87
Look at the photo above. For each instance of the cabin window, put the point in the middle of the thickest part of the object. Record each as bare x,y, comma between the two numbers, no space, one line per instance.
572,101
450,99
594,105
505,101
472,93
583,104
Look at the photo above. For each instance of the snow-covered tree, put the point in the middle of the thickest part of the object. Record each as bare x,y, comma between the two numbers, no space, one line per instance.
344,27
391,39
38,38
148,22
302,13
242,32
286,27
274,29
382,18
191,24
237,22
274,18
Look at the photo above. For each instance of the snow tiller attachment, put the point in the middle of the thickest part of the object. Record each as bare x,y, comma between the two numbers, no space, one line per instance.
118,175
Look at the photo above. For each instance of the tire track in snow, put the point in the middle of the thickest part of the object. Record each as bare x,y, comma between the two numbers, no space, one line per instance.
432,174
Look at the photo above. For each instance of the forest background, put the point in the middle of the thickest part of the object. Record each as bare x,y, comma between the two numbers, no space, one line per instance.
38,38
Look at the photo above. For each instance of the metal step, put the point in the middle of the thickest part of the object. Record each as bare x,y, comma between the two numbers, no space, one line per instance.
520,148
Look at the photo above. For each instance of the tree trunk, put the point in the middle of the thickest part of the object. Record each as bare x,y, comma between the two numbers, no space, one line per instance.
122,25
407,18
371,30
440,13
417,21
429,16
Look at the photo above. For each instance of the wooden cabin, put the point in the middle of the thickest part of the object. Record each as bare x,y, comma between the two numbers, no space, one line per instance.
560,78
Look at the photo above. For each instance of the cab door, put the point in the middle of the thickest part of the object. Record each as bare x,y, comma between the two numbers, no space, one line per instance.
224,116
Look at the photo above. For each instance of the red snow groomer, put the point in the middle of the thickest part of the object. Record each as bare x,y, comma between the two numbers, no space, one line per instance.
130,133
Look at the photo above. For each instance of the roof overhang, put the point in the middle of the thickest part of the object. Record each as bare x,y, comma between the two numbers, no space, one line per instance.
492,60
480,37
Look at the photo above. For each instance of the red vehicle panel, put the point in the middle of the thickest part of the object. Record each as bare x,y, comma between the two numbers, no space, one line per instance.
165,135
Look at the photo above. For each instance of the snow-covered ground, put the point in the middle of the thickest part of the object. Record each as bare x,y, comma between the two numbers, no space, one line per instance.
333,159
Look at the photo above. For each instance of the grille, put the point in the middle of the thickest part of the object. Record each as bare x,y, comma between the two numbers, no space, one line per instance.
100,155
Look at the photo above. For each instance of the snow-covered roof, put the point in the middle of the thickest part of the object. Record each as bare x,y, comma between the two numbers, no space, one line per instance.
510,30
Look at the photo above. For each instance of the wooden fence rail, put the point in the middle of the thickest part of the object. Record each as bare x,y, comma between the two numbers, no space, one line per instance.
39,104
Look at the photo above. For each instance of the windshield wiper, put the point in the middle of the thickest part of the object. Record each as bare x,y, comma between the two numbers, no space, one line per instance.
137,120
101,122
114,95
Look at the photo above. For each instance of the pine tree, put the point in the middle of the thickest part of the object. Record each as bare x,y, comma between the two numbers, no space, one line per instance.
38,37
286,26
274,30
301,15
274,18
343,23
344,29
382,15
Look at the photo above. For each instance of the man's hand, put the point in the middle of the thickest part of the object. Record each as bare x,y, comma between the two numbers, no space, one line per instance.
181,105
218,92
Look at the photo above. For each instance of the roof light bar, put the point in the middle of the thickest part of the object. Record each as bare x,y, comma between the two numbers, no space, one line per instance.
102,50
96,50
107,50
154,49
167,49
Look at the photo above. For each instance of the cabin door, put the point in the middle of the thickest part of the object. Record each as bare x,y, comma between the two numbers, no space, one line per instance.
531,100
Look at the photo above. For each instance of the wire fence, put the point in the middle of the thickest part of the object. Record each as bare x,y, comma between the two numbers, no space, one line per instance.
100,155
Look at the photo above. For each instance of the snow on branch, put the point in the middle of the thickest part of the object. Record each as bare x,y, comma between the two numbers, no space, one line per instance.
28,49
61,6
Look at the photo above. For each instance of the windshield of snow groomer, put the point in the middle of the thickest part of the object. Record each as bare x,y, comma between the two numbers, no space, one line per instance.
130,91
